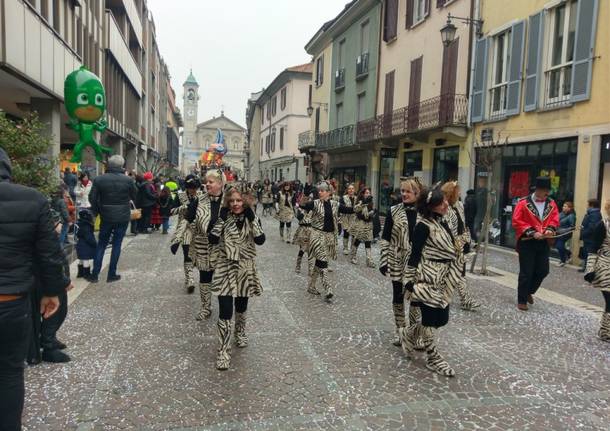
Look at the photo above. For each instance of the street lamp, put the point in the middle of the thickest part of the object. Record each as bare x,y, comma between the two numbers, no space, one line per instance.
320,104
310,111
449,30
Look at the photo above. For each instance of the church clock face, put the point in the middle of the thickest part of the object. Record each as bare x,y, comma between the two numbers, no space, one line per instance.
190,95
191,113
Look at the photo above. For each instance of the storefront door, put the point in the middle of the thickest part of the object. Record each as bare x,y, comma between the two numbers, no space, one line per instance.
517,180
386,184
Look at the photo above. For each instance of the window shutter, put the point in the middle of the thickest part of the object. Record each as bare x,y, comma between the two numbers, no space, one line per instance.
534,63
427,8
584,45
321,70
479,81
281,138
409,20
515,69
388,100
391,17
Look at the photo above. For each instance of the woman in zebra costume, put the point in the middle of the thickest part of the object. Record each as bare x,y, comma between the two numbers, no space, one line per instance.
184,234
302,235
284,206
323,239
362,228
347,220
237,231
598,269
457,223
432,273
395,247
202,213
267,197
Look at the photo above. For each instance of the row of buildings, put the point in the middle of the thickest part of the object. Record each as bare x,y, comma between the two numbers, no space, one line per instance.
42,41
418,87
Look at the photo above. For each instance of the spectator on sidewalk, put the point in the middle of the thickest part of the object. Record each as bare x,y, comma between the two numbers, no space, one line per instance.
470,212
59,205
567,221
147,199
166,204
587,229
86,244
82,191
28,244
110,196
70,181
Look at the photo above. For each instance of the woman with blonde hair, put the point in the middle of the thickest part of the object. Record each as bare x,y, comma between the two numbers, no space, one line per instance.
203,212
347,220
457,222
284,205
302,234
395,248
236,232
598,268
362,227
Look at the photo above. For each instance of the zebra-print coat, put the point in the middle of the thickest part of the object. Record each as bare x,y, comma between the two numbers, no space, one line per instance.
322,244
303,232
362,228
432,267
201,251
456,220
285,208
395,244
184,232
235,272
347,220
267,196
598,261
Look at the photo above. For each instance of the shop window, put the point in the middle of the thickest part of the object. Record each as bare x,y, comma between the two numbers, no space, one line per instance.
412,163
546,149
445,164
562,146
520,150
533,150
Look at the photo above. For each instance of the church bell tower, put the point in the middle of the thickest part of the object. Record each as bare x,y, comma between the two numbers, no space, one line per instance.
191,150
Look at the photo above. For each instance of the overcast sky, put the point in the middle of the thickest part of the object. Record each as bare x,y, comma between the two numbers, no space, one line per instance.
235,47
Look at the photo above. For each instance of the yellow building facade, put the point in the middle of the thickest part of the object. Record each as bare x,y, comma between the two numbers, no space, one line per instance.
540,85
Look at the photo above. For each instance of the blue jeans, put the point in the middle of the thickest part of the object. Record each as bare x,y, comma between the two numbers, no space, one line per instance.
117,230
165,224
560,245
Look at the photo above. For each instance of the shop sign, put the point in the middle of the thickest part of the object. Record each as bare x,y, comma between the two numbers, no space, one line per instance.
388,153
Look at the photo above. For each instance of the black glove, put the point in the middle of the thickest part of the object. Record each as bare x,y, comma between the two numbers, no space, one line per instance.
590,277
339,228
249,214
224,213
174,248
191,210
384,270
466,248
409,286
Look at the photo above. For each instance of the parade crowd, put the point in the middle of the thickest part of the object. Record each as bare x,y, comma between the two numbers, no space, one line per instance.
425,242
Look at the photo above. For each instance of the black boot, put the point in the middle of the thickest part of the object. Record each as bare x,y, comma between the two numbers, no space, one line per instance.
54,356
87,274
80,272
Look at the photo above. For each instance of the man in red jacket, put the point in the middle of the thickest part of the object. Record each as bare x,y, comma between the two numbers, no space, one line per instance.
535,221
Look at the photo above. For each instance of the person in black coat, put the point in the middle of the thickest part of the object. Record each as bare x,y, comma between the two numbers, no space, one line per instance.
147,199
587,230
470,212
86,243
166,204
29,254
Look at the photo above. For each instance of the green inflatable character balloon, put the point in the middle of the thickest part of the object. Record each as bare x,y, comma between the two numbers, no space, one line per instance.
85,101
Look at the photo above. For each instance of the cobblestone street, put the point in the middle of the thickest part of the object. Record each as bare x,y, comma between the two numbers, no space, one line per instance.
142,361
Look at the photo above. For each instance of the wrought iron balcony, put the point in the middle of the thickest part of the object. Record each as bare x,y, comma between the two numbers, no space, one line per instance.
306,140
340,79
362,65
337,138
447,110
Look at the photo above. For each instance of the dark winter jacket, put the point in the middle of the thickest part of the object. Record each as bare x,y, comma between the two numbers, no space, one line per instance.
470,207
566,223
166,204
587,228
58,204
86,244
27,240
70,180
146,195
110,196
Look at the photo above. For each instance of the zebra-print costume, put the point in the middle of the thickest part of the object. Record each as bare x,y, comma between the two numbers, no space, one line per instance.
203,253
323,245
362,227
598,270
347,220
433,267
285,209
303,232
395,250
267,196
184,233
235,272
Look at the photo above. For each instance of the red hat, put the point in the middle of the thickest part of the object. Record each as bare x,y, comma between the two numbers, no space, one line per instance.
148,176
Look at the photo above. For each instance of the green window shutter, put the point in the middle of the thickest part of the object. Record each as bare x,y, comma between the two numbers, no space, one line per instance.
534,61
479,81
582,67
515,69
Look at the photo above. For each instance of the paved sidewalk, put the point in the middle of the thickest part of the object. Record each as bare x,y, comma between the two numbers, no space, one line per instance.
141,361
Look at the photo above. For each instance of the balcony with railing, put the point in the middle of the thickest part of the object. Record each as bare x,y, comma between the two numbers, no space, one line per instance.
449,110
340,79
306,140
362,65
336,139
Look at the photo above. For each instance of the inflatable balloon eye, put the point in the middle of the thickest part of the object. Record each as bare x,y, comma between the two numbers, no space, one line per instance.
85,100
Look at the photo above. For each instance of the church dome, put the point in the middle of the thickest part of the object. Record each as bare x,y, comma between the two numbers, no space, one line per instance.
191,79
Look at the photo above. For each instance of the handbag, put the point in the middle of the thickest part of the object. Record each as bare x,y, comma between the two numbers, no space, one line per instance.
136,213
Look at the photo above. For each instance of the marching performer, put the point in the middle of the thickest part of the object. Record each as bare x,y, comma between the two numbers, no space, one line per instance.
348,200
323,239
432,273
302,235
267,197
395,247
598,268
535,219
284,207
362,228
184,233
203,213
237,232
461,234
